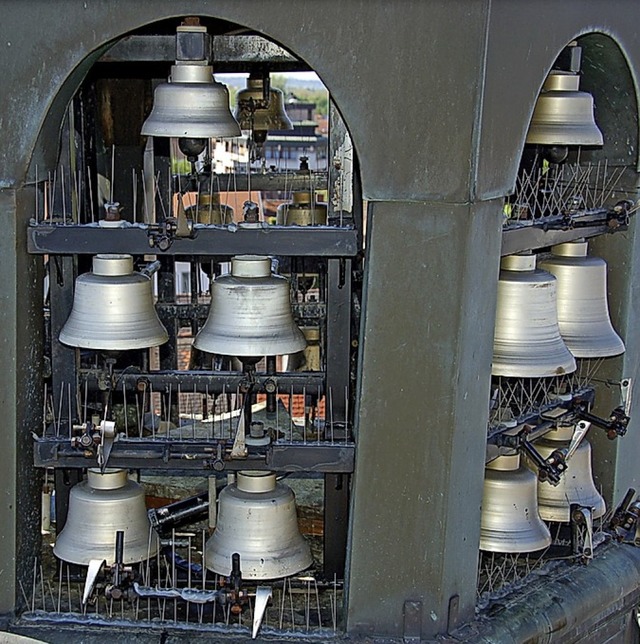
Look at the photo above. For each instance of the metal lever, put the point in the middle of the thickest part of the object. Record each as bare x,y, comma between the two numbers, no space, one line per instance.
582,531
263,594
582,427
107,437
626,385
615,426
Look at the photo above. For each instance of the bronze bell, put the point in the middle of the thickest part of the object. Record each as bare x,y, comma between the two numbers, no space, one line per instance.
583,311
250,313
113,308
252,114
302,211
257,519
527,341
209,210
100,507
576,484
563,115
510,520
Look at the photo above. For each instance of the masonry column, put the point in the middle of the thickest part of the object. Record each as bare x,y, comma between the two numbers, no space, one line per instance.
427,339
20,399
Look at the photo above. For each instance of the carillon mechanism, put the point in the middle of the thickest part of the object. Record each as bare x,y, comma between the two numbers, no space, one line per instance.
208,355
576,486
553,334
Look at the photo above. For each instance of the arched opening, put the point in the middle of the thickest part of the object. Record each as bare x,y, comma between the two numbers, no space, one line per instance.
197,425
557,354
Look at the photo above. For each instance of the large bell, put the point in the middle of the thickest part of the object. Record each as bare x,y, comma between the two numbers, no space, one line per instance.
576,484
113,308
510,520
257,519
302,211
563,115
191,105
527,341
100,507
250,313
583,312
252,115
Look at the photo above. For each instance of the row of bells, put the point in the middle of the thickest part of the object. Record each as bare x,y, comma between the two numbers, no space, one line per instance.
515,505
250,313
548,316
256,518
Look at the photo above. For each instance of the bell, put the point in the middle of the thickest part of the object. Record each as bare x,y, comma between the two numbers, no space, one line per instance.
563,115
257,519
250,313
252,114
576,484
209,210
302,211
100,507
309,358
510,521
527,341
192,105
113,308
583,312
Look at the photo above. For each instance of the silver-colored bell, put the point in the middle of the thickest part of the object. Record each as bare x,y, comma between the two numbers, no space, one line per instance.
100,507
527,341
583,312
252,114
563,115
250,313
191,105
576,484
113,308
510,520
257,519
302,211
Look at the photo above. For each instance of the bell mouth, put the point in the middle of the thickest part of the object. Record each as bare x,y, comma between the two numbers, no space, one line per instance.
255,481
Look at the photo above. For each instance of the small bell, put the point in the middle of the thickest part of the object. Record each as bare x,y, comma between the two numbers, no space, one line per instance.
510,520
209,210
100,507
250,313
254,111
257,519
113,308
192,105
583,311
527,341
576,484
563,115
302,211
